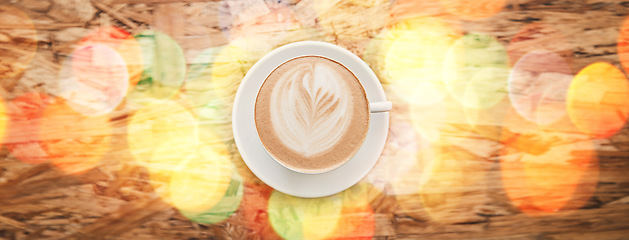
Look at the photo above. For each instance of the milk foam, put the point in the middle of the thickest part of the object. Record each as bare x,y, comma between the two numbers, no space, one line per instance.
311,108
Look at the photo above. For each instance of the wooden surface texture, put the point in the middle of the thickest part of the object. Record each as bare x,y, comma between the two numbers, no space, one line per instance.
452,168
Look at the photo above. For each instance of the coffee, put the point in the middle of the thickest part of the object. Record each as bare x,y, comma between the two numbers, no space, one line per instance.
311,114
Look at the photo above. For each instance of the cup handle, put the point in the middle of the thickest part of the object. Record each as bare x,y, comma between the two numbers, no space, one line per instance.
377,107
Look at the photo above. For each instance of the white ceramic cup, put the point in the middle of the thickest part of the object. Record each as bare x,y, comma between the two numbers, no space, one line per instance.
273,173
330,51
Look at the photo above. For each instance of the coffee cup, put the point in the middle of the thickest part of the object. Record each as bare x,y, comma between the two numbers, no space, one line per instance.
312,113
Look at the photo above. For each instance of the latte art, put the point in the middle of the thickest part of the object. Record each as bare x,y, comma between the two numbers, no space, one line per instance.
311,114
311,108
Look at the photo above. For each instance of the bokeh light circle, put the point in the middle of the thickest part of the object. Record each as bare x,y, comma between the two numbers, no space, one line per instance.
356,223
439,192
151,127
414,60
206,188
304,218
408,155
168,158
538,86
357,216
18,41
398,156
124,43
94,80
25,114
212,110
487,122
475,71
164,68
547,169
73,142
428,120
598,100
231,65
212,81
198,88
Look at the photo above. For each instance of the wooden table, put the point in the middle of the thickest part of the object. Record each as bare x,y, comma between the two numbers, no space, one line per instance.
475,151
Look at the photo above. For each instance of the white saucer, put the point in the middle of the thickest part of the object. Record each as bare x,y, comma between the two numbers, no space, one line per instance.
281,178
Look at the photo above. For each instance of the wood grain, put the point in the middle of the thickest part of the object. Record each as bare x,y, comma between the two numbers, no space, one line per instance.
467,197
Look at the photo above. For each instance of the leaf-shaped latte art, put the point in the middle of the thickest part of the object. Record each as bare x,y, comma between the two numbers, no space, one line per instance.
311,108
